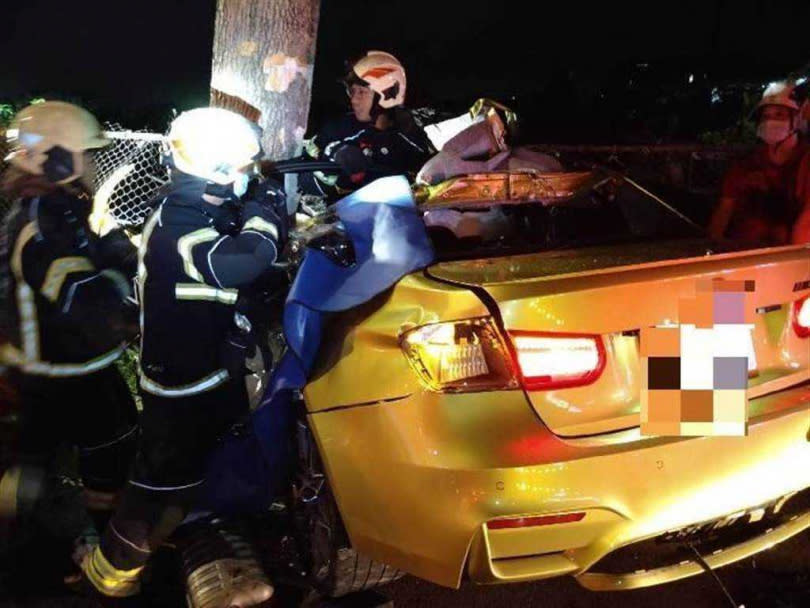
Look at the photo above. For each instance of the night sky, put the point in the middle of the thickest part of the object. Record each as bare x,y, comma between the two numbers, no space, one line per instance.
134,61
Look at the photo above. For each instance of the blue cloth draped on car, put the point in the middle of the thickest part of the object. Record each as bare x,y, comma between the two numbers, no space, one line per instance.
390,241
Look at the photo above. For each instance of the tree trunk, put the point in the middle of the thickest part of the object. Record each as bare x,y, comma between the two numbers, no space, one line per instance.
264,51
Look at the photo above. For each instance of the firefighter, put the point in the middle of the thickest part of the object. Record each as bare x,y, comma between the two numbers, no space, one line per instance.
200,247
66,318
764,193
378,138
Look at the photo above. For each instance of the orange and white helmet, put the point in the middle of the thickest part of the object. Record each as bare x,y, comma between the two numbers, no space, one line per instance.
383,74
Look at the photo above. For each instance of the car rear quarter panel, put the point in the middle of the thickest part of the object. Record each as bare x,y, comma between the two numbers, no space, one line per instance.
416,474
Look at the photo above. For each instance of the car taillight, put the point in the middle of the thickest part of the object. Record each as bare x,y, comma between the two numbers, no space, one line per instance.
801,317
557,360
460,356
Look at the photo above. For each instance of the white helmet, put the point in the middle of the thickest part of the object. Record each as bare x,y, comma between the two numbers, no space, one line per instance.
50,138
383,74
214,144
780,93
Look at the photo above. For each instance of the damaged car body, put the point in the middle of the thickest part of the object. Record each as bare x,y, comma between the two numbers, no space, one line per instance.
504,444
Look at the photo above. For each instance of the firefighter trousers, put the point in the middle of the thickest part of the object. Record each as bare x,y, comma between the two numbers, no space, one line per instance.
95,412
177,438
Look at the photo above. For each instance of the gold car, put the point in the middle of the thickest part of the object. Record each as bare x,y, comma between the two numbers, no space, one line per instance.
481,419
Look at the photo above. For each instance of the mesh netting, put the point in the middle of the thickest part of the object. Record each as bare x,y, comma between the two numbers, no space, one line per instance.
687,176
129,174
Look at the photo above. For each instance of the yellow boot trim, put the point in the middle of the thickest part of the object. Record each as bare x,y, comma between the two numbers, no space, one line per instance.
9,483
108,579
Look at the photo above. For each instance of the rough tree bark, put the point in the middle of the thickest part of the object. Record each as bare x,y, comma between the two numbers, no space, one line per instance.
264,51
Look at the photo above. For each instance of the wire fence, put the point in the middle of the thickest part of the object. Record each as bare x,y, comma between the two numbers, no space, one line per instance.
687,175
130,172
693,167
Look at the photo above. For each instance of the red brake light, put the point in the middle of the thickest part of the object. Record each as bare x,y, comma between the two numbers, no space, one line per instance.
558,360
540,520
801,317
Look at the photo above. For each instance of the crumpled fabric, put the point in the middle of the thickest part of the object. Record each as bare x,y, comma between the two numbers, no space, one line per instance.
476,149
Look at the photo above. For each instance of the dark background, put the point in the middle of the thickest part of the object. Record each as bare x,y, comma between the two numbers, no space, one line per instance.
613,72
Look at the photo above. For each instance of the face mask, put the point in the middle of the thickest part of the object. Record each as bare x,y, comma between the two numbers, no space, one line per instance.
231,191
774,131
240,185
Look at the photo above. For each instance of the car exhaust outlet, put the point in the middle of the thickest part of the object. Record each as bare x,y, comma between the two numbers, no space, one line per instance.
222,569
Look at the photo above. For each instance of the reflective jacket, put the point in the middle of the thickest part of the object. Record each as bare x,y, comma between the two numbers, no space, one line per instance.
64,295
399,150
193,259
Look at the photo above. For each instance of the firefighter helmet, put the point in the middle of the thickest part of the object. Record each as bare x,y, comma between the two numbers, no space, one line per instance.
780,93
383,74
214,144
50,138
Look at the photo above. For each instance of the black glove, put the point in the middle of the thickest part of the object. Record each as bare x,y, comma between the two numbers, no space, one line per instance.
352,161
269,194
116,251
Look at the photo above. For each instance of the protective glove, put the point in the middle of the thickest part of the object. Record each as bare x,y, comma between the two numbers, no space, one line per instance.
353,162
118,252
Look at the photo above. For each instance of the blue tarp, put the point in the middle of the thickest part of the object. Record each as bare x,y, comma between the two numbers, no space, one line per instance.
390,241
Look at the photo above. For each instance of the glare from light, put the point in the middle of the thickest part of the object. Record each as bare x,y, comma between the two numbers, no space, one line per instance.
758,483
217,142
804,314
446,358
391,190
752,355
440,132
439,334
542,356
29,140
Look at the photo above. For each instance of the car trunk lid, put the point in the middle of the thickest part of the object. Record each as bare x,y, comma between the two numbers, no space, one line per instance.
615,291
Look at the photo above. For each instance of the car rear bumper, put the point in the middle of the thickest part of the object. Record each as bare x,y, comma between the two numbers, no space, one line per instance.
418,479
644,563
600,581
